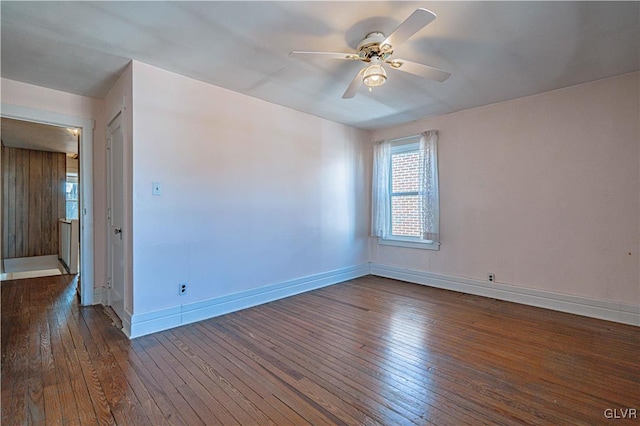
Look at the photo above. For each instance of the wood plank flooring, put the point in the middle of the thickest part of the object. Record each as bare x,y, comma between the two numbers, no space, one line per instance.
366,352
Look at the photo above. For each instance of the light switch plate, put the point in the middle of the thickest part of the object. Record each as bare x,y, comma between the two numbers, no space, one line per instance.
157,188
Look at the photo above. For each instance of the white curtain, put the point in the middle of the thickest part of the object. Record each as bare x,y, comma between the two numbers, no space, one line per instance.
429,188
380,197
429,192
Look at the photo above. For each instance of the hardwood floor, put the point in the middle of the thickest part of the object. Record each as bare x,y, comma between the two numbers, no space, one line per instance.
365,352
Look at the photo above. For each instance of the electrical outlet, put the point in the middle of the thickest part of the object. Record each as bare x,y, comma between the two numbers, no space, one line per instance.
491,277
182,289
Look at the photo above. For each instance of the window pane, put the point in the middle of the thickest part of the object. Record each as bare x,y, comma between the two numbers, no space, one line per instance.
405,216
72,209
404,172
71,194
71,191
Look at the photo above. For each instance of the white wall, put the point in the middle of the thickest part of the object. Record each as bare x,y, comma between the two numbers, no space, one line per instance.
253,193
43,99
543,191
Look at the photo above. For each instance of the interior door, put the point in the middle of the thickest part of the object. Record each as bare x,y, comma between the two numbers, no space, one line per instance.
116,215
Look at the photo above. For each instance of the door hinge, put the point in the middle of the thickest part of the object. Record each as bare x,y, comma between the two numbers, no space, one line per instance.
108,213
109,286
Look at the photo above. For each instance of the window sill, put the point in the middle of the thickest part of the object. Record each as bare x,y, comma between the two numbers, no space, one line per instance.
423,245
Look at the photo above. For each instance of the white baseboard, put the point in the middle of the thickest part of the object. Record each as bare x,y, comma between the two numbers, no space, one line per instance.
611,311
126,323
151,322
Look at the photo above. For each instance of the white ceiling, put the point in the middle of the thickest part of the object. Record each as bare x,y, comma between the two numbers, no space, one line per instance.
494,50
37,136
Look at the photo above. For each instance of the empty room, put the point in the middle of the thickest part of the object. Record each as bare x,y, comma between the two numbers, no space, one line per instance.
351,213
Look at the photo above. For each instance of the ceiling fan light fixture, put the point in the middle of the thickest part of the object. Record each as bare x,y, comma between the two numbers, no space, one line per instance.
377,49
374,76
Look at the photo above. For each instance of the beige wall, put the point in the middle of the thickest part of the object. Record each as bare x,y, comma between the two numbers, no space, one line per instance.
542,191
253,193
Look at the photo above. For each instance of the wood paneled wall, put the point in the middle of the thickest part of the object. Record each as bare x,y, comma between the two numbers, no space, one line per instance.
33,198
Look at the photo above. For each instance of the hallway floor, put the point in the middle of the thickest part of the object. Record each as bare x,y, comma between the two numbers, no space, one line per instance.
31,267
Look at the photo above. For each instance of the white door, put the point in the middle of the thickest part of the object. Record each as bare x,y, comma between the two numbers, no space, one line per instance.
117,231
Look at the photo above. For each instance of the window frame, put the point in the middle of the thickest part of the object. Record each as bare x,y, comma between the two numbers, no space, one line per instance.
398,146
72,178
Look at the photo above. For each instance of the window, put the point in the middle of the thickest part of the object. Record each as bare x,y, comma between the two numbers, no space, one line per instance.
71,195
405,208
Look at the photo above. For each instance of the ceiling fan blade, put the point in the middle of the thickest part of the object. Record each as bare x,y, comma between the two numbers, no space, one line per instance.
354,86
419,69
414,23
329,55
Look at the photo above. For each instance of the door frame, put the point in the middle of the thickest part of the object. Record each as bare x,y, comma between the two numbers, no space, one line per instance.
107,298
86,126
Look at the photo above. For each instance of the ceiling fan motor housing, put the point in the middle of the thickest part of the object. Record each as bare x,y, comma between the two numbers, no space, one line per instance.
370,47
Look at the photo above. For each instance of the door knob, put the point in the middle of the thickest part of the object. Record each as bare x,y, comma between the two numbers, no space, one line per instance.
117,231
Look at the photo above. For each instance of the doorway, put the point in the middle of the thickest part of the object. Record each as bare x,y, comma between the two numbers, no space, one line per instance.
84,185
39,199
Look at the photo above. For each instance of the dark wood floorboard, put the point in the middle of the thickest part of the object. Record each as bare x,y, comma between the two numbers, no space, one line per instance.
371,351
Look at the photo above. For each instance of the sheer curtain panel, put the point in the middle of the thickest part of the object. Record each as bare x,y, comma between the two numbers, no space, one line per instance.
408,166
380,198
430,204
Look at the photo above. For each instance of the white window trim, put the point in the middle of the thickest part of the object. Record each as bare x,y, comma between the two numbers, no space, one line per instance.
415,244
381,194
401,145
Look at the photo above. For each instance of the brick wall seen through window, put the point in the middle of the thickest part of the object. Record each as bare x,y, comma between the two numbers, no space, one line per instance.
405,203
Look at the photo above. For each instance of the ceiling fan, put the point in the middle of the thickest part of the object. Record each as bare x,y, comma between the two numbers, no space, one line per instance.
377,49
